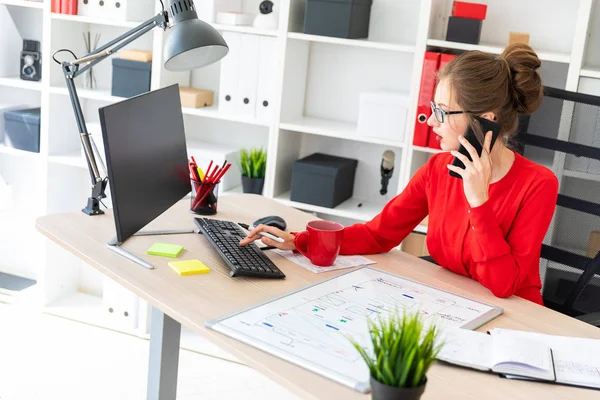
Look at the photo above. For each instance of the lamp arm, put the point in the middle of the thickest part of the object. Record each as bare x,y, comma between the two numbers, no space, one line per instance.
105,51
71,70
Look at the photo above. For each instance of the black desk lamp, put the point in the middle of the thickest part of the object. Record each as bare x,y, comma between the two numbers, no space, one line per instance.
191,44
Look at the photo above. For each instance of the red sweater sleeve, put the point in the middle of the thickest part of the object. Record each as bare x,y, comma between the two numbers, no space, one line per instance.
397,219
502,263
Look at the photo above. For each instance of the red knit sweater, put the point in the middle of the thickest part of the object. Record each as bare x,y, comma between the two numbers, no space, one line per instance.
497,243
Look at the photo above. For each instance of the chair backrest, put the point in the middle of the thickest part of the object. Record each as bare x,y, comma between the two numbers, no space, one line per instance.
564,135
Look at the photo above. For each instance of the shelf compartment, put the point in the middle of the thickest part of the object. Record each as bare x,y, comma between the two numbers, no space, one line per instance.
496,49
18,83
334,129
348,209
352,42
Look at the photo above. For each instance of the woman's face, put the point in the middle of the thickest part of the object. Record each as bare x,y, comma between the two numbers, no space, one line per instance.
454,125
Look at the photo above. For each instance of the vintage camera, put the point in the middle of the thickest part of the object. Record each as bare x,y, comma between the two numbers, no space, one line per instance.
31,61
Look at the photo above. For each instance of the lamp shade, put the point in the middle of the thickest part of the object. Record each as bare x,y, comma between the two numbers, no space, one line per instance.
192,43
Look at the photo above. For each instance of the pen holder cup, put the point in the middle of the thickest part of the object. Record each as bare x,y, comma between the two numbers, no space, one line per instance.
203,199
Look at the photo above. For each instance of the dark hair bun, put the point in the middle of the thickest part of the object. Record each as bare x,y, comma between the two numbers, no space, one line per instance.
523,63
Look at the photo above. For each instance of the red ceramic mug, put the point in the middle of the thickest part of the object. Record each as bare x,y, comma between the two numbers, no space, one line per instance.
320,242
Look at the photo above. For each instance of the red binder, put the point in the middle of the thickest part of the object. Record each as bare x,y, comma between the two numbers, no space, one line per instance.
430,65
469,10
55,6
68,7
444,59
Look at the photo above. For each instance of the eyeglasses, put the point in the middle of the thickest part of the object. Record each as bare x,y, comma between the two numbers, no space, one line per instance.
441,114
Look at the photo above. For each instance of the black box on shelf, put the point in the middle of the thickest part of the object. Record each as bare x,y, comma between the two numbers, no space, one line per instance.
130,78
338,18
464,30
323,180
22,129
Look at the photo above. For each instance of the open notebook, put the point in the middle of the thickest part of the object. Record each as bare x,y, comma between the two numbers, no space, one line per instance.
525,355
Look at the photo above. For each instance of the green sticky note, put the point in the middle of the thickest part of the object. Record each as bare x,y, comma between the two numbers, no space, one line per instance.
165,250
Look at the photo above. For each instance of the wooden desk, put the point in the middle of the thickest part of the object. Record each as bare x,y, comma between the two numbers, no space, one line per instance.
192,300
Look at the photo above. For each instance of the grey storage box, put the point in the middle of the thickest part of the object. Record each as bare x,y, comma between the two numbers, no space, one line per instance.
338,18
464,30
323,180
130,78
22,129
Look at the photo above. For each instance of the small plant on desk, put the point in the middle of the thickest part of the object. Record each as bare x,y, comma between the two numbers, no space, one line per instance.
253,164
403,351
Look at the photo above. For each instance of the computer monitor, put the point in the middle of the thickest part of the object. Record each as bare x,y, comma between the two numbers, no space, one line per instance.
146,155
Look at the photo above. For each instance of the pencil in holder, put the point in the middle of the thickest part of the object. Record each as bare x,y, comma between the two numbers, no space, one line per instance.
203,199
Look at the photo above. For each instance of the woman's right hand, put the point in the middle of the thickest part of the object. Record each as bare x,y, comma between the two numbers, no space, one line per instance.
288,238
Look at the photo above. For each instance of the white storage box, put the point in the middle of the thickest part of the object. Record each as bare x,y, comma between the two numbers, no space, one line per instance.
124,10
383,115
205,152
8,107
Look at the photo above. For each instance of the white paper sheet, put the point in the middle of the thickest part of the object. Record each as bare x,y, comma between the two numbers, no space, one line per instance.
341,262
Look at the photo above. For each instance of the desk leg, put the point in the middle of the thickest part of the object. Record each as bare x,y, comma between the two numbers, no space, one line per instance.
165,334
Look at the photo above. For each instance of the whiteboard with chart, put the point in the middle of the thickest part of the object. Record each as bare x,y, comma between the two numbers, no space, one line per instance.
310,327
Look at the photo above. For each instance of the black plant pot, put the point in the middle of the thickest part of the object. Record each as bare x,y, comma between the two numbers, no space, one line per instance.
380,391
253,185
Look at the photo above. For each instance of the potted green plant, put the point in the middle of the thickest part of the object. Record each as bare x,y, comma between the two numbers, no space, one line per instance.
253,164
402,352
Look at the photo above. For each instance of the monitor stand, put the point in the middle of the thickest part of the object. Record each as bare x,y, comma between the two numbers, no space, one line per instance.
114,245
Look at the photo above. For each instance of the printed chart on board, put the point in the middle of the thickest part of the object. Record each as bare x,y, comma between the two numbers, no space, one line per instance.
311,327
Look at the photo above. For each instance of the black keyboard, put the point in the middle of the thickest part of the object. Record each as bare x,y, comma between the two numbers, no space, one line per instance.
247,260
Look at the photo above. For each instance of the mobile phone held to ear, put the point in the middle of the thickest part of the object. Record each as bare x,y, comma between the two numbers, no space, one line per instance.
486,126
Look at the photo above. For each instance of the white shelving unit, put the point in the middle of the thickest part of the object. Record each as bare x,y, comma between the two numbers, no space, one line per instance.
317,84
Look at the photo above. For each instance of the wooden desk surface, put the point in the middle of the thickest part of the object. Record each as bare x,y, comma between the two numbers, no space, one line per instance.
194,299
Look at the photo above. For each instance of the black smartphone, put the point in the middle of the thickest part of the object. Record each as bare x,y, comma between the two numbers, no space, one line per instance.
486,126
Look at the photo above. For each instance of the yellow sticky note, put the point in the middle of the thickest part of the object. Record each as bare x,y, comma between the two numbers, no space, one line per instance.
189,267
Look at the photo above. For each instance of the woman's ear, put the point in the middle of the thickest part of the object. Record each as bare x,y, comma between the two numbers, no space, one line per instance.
489,115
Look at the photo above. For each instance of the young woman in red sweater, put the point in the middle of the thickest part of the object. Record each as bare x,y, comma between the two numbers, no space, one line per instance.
490,224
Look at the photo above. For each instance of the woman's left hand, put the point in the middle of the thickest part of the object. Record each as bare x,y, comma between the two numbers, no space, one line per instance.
477,173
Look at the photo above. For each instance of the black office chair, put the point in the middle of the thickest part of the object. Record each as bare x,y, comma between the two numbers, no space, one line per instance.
564,134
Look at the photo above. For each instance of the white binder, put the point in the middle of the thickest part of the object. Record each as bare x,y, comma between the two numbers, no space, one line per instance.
267,71
121,305
248,75
228,84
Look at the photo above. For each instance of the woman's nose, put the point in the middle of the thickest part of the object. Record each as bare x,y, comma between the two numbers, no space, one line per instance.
432,120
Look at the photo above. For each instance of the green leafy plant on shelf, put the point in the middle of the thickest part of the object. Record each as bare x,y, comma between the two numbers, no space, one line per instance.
403,352
253,164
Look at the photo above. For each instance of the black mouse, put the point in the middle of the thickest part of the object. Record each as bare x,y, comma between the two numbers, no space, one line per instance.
272,220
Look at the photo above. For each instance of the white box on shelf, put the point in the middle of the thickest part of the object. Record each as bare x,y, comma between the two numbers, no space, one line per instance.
120,305
228,83
234,18
95,131
382,114
267,70
3,109
125,10
88,8
248,75
204,152
11,44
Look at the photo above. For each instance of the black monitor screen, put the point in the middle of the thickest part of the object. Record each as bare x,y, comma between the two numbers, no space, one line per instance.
144,141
